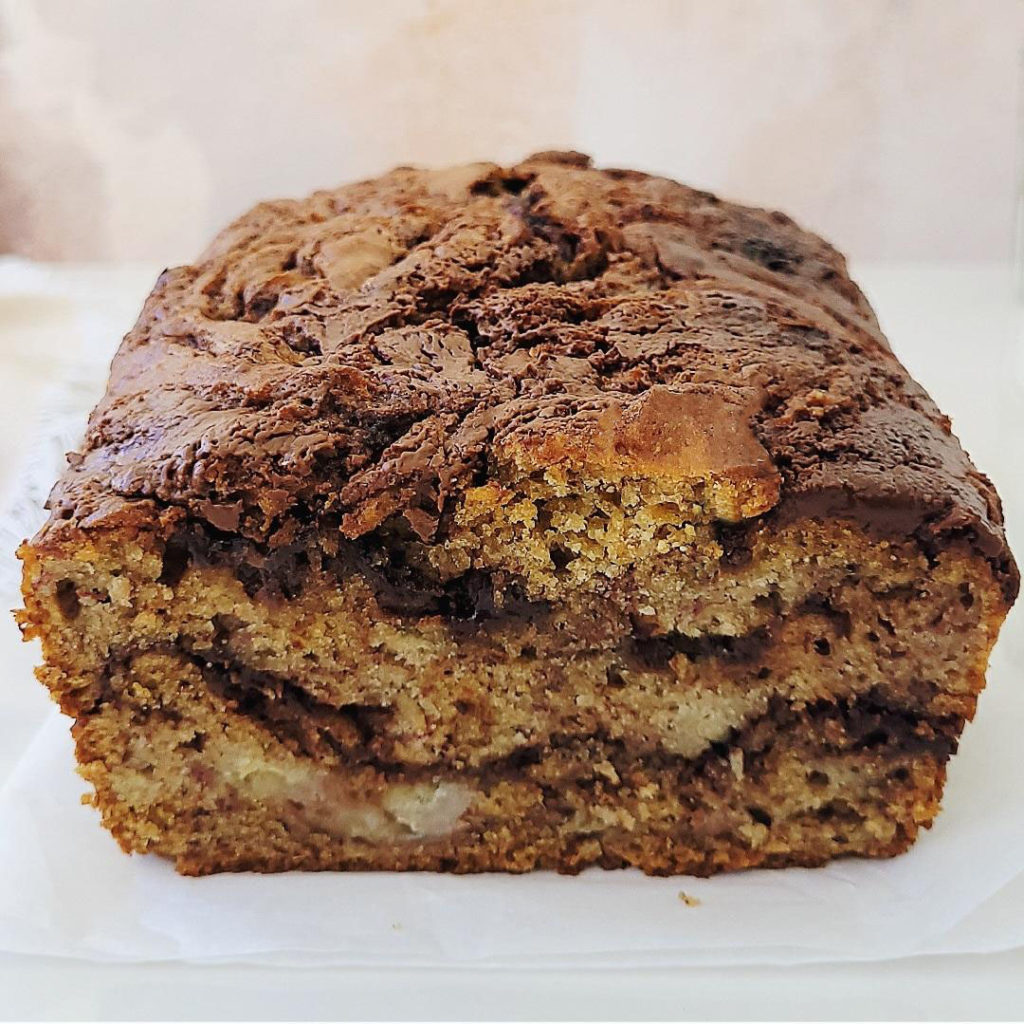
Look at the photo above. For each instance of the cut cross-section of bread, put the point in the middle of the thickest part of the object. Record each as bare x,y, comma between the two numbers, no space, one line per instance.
512,518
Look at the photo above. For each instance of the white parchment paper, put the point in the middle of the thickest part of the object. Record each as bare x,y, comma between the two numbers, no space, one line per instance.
66,890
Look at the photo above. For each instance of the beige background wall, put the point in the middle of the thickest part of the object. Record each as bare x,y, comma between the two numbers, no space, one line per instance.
132,129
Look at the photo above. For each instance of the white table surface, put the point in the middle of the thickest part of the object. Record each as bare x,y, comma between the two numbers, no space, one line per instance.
958,330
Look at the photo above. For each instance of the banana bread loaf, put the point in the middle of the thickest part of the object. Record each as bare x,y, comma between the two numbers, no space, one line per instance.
510,518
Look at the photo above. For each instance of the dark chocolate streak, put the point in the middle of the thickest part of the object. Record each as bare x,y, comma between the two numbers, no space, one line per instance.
473,598
655,652
363,354
474,601
471,603
346,735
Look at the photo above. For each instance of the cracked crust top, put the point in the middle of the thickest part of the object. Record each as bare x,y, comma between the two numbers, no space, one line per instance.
374,350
